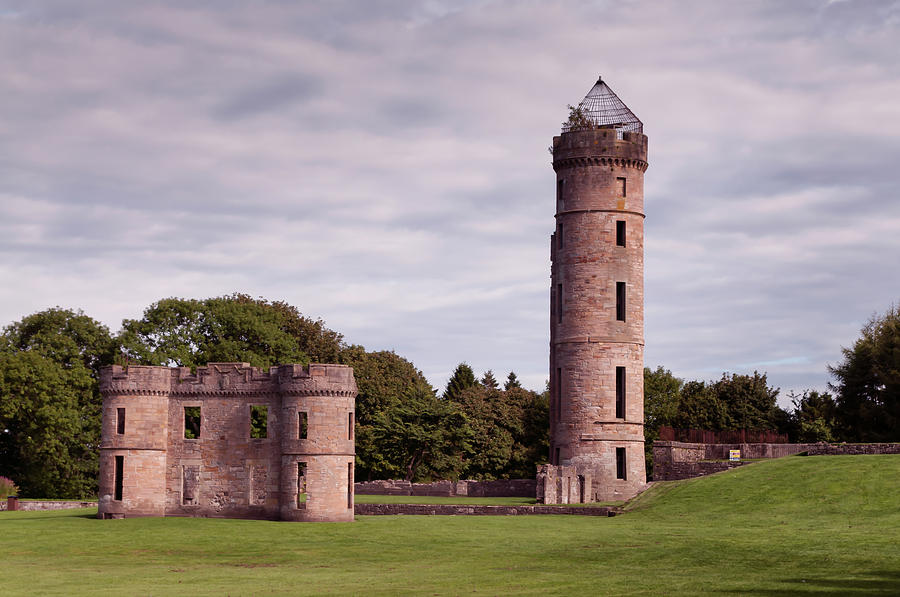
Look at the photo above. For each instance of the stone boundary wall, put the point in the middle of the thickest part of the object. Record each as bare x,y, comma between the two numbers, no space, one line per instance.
34,505
682,460
468,488
477,510
853,449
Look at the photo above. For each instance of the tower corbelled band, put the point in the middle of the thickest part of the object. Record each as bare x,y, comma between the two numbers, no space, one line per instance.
597,298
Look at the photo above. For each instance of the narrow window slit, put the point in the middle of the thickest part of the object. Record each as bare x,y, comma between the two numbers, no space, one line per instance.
303,429
620,392
120,476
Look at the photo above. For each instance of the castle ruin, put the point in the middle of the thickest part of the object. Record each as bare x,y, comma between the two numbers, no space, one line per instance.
229,440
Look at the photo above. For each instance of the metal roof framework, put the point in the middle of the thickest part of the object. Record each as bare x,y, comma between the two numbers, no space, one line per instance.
601,107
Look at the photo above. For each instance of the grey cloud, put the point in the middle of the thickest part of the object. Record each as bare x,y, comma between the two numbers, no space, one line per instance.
383,165
278,94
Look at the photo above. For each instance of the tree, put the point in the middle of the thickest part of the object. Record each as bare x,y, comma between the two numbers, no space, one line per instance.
867,382
386,382
578,119
463,377
662,399
50,402
511,382
813,416
489,381
235,328
422,438
735,401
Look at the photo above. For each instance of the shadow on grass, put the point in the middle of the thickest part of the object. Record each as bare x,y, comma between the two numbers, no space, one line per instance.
879,582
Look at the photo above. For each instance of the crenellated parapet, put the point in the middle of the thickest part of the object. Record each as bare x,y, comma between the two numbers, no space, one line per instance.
135,380
599,146
217,379
317,380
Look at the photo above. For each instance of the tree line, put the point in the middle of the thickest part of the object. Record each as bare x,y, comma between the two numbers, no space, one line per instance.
479,428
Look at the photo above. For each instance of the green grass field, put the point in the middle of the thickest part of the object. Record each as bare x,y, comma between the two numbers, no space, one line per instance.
795,526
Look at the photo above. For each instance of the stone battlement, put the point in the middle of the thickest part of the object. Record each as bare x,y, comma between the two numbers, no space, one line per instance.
631,150
228,378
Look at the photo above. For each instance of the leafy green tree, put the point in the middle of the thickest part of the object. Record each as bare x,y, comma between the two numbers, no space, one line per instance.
733,402
386,382
423,438
511,382
700,408
510,431
235,328
814,416
50,402
750,402
662,399
867,382
463,378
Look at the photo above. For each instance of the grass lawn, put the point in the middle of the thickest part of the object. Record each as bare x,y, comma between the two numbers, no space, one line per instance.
826,525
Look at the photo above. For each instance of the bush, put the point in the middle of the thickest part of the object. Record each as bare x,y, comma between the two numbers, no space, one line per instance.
7,488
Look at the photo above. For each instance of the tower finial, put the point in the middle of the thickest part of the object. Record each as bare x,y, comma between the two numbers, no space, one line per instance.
599,79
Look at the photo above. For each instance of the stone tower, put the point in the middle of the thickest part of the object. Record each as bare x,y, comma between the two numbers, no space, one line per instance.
597,298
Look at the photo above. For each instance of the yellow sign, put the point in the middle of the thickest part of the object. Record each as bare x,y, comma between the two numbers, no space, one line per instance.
734,455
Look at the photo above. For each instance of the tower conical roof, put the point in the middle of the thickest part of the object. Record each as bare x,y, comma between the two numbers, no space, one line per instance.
602,107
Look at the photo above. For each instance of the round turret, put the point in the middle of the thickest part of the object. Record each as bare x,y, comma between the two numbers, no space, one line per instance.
317,442
133,441
597,294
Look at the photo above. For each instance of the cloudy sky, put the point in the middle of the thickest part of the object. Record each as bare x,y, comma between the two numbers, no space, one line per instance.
383,165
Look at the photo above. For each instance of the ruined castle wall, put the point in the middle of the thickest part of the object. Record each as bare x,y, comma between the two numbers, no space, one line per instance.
164,461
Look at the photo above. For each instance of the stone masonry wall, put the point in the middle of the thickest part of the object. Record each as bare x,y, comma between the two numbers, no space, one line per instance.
467,487
682,460
600,181
222,471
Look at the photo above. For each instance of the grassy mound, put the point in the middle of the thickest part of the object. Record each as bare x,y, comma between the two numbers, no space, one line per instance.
795,526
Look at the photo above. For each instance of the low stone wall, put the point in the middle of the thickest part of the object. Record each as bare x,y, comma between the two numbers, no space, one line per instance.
853,449
31,505
470,488
473,510
682,460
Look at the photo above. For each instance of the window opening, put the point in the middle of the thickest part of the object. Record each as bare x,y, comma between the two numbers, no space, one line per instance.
350,426
558,393
349,485
620,187
302,496
559,303
620,464
120,475
620,392
190,483
304,425
259,421
560,187
557,456
620,301
120,421
620,233
191,422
